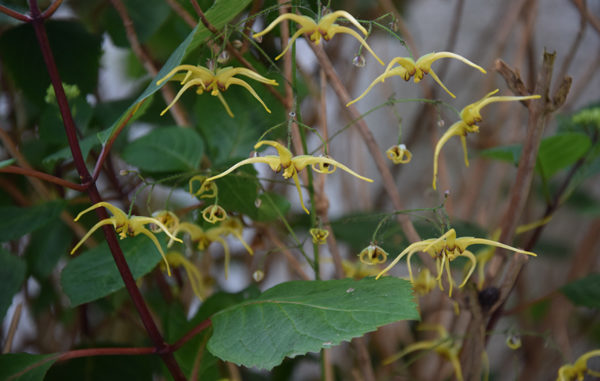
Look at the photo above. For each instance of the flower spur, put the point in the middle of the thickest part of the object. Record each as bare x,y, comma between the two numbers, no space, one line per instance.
213,82
127,227
409,68
578,370
470,115
291,165
444,250
325,28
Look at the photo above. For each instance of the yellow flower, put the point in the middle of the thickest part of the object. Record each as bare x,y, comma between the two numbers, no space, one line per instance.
444,346
409,68
469,115
319,235
398,154
291,165
513,341
177,259
126,227
358,270
203,238
213,214
372,255
424,283
579,369
444,250
325,28
206,190
213,82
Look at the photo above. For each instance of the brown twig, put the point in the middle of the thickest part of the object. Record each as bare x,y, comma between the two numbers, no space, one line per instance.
51,9
14,324
288,254
581,6
43,176
176,111
181,12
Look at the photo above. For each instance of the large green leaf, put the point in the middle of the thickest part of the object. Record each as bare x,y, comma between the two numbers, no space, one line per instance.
166,149
76,52
16,222
297,317
219,14
238,192
25,366
584,291
556,152
94,274
12,273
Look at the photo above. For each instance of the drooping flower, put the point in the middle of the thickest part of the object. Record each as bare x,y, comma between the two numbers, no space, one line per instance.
291,165
409,68
372,255
470,115
214,82
578,370
444,250
445,346
319,236
176,259
127,227
399,154
214,213
325,28
206,189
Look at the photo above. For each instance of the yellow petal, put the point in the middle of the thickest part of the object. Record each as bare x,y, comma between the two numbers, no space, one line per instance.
327,21
457,128
305,21
342,29
300,162
271,160
237,81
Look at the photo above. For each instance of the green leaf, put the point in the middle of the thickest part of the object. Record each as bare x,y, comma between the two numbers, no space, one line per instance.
166,149
76,52
560,151
219,15
16,222
94,274
7,162
25,366
297,317
86,145
272,206
584,292
238,192
147,17
47,245
510,153
12,273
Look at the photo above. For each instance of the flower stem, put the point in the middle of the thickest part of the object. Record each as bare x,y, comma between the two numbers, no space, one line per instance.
37,21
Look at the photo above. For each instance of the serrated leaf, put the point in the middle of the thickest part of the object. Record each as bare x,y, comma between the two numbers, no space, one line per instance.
584,292
166,149
297,317
25,366
94,274
12,273
15,222
219,14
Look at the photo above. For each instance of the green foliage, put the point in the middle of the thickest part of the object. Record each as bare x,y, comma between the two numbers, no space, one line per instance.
25,366
93,274
48,244
166,149
584,292
102,368
296,317
16,222
76,52
12,273
147,17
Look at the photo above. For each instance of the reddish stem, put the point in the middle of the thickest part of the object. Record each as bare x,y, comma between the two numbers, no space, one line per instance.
14,14
44,176
160,345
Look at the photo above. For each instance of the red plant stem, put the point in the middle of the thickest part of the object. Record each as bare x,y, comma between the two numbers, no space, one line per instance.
14,14
160,345
105,352
193,332
43,176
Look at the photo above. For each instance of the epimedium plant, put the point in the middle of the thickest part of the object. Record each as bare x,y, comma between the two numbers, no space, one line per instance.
152,284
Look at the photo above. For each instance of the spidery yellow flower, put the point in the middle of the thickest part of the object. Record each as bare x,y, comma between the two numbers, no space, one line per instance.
444,250
470,115
126,227
214,82
372,255
357,270
409,68
399,154
176,259
319,236
291,165
203,238
424,283
213,214
578,370
325,27
206,190
444,346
